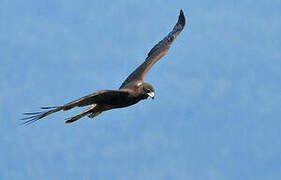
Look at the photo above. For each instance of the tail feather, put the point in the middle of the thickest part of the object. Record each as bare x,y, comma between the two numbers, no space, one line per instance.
94,114
32,117
77,117
50,107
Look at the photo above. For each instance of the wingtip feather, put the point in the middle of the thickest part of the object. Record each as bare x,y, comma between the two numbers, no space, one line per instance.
181,19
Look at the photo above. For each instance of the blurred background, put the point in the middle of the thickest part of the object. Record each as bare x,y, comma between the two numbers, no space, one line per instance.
216,114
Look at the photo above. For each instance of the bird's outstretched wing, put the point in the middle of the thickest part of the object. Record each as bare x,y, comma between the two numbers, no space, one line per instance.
96,97
155,53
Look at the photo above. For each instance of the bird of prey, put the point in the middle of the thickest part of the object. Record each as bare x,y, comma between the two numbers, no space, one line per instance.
132,90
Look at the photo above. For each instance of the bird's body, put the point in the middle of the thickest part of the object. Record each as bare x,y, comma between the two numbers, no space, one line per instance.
132,90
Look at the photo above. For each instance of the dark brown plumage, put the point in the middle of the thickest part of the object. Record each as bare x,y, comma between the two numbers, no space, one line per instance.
132,90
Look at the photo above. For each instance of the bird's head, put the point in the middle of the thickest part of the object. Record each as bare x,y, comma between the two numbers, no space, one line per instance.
146,90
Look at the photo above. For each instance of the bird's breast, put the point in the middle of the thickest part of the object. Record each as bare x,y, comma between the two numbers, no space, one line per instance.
120,102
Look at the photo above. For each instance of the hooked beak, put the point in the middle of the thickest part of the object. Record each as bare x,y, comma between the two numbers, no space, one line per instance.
151,94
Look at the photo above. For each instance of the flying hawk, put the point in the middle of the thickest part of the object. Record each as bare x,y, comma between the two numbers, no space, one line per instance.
132,90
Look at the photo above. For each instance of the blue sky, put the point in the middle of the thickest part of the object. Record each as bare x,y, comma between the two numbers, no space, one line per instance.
216,114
